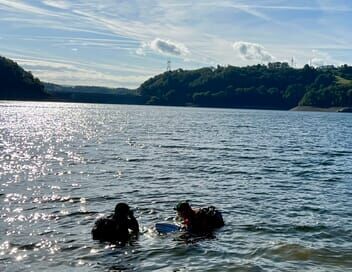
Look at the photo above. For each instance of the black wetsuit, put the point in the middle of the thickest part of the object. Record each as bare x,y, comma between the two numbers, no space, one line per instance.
115,228
204,220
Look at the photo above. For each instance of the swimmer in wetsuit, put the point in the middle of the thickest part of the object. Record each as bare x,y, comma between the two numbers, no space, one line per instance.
203,220
118,227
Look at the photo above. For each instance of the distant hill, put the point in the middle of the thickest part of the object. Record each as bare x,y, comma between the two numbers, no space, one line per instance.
275,86
55,88
93,94
18,84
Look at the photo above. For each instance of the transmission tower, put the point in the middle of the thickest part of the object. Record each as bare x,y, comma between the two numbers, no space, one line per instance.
168,66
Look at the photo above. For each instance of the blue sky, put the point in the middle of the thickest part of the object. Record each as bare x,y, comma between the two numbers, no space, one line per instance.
121,43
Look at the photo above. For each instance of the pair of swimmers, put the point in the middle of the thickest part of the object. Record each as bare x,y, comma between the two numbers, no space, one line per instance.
122,225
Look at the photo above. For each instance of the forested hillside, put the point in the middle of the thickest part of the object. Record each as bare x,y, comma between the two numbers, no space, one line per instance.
16,83
276,86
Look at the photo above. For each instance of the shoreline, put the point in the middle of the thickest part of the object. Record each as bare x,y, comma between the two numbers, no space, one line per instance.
317,109
297,108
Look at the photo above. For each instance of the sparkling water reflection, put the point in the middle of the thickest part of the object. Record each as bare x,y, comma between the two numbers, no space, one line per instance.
282,180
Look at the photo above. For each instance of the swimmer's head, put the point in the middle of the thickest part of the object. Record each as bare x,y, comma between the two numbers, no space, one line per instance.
122,209
183,209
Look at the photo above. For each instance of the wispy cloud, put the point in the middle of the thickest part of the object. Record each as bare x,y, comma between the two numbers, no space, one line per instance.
19,6
43,64
57,4
102,37
73,74
332,8
92,77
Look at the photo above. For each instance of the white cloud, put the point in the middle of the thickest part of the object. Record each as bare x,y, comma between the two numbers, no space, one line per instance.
317,62
141,50
252,51
164,47
169,47
320,58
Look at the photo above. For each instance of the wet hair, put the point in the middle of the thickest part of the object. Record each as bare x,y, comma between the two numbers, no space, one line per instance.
182,206
122,209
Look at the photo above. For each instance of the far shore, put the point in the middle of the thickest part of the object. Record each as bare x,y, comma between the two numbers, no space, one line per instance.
298,108
309,108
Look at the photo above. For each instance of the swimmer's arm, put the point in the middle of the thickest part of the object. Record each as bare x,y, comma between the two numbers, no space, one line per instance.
133,224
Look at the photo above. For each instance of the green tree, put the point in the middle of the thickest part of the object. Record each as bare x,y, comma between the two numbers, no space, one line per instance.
293,94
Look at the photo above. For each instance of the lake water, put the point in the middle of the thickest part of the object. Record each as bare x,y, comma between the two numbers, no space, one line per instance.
282,180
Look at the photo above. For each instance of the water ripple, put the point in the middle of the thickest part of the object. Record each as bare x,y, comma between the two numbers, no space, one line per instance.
282,180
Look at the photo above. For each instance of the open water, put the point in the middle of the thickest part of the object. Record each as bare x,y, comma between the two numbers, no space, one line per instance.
282,179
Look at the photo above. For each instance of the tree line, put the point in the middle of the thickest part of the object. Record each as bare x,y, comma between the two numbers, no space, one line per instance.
272,86
258,86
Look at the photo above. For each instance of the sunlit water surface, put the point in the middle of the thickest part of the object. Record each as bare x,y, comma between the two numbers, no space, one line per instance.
282,180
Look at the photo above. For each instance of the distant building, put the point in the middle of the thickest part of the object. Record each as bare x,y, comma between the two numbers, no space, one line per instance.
326,67
278,65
